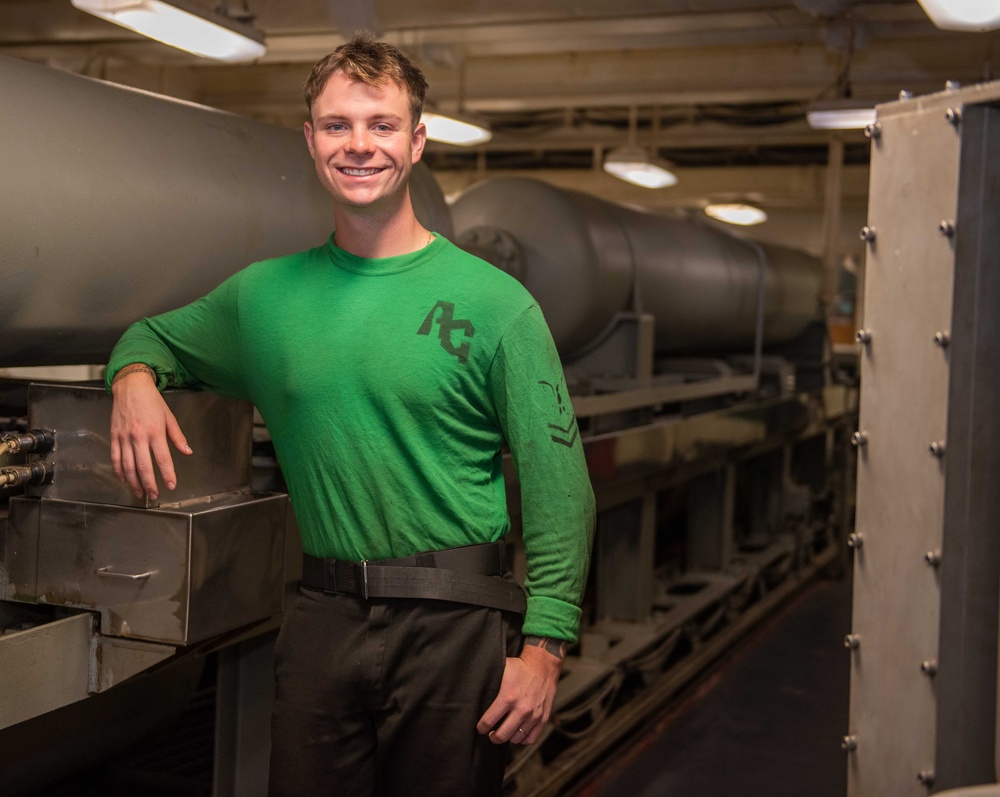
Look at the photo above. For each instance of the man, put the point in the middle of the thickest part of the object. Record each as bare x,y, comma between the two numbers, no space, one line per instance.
389,366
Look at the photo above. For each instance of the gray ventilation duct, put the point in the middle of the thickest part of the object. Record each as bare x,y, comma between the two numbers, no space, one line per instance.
119,203
586,260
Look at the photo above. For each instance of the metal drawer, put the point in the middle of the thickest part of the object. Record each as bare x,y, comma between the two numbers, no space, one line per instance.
178,574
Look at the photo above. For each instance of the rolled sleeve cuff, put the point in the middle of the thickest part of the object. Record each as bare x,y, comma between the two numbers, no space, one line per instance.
551,617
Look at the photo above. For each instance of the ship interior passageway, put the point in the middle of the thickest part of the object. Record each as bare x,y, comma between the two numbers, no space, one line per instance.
787,415
768,720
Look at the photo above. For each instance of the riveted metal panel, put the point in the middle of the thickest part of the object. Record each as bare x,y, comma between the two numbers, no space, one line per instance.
927,555
903,410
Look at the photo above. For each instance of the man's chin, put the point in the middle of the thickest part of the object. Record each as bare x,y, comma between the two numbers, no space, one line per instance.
362,199
357,203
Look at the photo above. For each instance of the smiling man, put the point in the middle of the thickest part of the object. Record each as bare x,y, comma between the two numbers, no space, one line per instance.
390,368
364,141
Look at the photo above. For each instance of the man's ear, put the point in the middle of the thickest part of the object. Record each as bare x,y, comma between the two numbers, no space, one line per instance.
307,128
418,140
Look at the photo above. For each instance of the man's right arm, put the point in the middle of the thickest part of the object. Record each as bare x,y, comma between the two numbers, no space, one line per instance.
197,344
141,425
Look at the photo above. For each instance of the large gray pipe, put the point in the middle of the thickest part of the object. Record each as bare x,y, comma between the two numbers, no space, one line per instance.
117,203
585,260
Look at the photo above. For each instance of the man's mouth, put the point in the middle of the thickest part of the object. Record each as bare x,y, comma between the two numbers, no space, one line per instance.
358,172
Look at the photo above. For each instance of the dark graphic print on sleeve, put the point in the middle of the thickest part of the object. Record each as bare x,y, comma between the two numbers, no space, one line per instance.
565,430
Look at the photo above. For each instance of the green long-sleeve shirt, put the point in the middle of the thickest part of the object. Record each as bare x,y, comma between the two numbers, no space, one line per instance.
388,386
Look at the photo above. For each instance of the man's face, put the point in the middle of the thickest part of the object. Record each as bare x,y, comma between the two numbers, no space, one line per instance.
362,141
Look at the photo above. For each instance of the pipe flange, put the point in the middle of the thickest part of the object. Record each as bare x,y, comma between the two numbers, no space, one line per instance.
496,246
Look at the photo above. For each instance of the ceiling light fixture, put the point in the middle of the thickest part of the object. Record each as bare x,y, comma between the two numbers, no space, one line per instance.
965,15
736,213
460,129
637,165
183,24
457,128
844,114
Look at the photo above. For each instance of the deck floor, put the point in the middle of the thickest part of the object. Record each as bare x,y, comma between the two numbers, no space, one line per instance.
767,722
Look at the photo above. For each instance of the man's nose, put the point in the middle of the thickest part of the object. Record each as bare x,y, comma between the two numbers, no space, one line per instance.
360,139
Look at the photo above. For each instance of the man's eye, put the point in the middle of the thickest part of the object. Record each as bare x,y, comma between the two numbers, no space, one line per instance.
383,128
335,126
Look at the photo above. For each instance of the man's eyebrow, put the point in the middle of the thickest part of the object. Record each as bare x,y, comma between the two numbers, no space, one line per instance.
391,117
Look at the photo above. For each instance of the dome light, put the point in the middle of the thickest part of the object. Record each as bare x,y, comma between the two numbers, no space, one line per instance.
964,15
459,129
736,213
635,165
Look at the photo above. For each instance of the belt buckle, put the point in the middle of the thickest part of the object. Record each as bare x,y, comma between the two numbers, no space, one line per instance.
364,576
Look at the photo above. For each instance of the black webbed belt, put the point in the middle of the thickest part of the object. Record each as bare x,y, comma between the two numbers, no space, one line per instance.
470,574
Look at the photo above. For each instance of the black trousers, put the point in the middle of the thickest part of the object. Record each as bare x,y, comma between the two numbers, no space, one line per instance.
380,698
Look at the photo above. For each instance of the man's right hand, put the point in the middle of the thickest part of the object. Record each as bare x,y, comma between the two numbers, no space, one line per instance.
141,424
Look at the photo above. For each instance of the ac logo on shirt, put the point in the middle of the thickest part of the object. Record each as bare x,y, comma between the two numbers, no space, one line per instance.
447,323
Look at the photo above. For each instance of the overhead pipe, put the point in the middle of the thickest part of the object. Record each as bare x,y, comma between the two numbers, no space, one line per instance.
586,260
118,203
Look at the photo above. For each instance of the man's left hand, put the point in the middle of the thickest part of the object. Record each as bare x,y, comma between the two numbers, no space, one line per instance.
527,691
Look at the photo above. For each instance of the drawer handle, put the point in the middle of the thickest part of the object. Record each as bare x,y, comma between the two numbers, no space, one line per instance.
106,571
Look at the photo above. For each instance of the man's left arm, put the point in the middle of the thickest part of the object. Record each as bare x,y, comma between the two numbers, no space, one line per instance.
557,513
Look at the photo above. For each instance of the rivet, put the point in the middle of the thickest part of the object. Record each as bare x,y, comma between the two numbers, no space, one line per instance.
863,336
873,130
929,667
905,95
855,541
933,558
859,439
947,228
867,234
953,116
942,339
937,448
849,743
852,641
952,85
926,776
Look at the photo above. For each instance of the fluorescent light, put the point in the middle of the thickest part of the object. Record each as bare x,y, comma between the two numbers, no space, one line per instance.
455,129
840,115
182,24
635,165
736,213
963,14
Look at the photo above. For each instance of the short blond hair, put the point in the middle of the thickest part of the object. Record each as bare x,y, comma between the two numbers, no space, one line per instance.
372,62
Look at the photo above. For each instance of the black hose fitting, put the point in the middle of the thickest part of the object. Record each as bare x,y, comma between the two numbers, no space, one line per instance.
40,441
25,475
